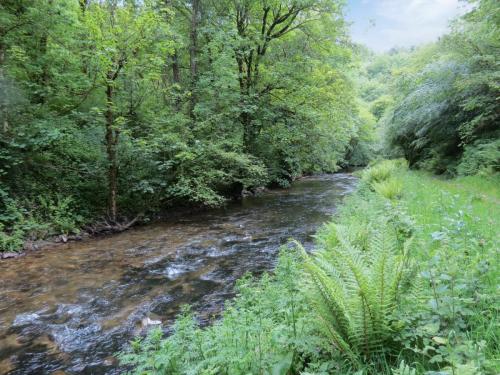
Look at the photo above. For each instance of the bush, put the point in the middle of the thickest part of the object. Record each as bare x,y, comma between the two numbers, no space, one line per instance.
35,219
482,157
11,240
356,290
379,172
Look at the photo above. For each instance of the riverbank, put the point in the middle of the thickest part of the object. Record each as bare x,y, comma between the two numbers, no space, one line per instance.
20,244
404,281
15,245
71,308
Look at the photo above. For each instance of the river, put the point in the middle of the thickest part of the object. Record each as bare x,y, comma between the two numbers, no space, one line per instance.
68,310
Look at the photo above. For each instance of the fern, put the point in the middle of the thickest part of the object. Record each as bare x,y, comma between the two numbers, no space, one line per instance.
355,291
391,188
380,171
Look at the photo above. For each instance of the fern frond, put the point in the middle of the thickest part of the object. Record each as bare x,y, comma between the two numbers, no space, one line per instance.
356,290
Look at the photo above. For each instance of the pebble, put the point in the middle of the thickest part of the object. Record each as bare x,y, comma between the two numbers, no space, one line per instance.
9,255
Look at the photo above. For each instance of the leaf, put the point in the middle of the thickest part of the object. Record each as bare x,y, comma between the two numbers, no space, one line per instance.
436,359
284,365
440,340
431,327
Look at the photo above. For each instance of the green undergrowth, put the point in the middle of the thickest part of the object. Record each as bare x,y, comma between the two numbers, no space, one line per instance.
35,219
403,281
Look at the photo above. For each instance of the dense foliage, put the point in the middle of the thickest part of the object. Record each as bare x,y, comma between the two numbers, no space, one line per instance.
397,286
110,109
437,105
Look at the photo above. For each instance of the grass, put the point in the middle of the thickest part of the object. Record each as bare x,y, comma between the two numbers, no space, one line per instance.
458,231
443,321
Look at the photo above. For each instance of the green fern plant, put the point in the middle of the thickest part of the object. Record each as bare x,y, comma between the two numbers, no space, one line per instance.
383,171
379,172
391,188
355,291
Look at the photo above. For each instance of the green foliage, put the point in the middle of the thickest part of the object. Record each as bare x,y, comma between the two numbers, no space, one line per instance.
356,291
95,98
11,239
391,188
380,105
379,172
404,369
451,328
480,158
204,173
446,98
363,302
434,104
34,219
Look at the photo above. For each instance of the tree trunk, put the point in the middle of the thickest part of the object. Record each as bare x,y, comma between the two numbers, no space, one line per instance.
193,54
43,78
83,5
112,135
3,86
176,73
176,79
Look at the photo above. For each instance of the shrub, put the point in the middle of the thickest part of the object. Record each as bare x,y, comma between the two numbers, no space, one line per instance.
59,212
11,240
482,157
35,219
381,171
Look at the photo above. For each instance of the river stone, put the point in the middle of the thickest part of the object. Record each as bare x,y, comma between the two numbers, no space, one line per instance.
10,255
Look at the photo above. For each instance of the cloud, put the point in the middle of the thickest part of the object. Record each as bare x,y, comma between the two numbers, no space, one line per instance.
403,22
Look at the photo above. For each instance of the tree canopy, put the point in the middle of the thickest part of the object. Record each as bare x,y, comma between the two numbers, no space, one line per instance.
129,107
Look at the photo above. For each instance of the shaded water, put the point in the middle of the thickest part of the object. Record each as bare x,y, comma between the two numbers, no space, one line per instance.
68,310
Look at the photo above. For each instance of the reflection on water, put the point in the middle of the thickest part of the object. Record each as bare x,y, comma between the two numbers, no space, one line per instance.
68,310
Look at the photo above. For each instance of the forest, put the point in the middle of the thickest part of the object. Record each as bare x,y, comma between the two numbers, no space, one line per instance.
124,113
114,110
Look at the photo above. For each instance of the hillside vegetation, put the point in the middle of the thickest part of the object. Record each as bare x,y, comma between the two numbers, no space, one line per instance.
437,105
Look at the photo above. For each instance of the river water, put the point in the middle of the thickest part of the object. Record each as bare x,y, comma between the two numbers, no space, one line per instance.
68,310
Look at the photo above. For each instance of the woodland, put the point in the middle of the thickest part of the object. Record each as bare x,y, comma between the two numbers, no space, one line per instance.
121,112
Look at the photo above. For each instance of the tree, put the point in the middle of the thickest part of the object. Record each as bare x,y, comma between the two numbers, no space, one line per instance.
123,36
447,96
258,24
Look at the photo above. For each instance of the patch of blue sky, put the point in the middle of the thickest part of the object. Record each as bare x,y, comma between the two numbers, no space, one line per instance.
385,24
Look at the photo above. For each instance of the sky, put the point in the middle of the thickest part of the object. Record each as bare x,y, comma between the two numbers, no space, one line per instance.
384,24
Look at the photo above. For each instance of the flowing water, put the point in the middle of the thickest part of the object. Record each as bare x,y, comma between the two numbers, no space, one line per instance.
70,309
